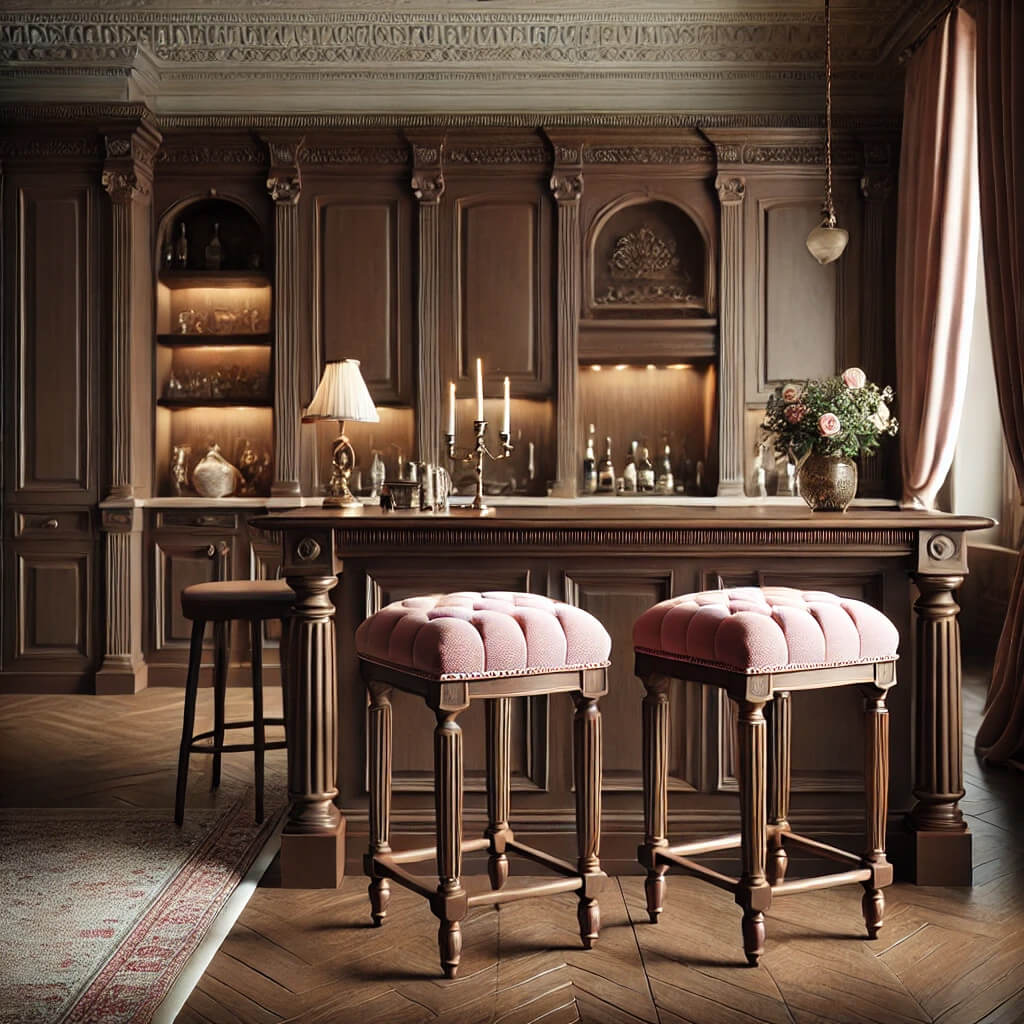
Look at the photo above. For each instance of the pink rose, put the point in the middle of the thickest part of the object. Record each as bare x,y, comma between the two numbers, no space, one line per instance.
829,425
790,393
854,377
794,413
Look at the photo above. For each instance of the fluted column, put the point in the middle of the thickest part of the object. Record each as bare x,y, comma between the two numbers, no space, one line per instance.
876,805
587,762
312,846
656,746
380,795
284,183
779,717
450,901
754,894
731,190
428,187
499,750
567,188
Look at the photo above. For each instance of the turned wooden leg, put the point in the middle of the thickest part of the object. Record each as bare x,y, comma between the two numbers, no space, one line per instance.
499,746
259,733
221,639
876,805
941,840
656,739
778,713
188,723
754,894
312,843
380,795
586,735
450,901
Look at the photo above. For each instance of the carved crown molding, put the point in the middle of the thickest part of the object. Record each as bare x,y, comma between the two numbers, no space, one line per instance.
354,154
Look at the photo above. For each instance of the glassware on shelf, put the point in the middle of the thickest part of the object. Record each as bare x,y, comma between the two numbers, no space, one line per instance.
377,474
606,469
180,454
645,472
253,468
214,476
221,321
181,248
665,480
213,255
629,472
590,465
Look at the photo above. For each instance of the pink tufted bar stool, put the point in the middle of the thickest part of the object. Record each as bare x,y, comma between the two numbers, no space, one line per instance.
451,649
760,645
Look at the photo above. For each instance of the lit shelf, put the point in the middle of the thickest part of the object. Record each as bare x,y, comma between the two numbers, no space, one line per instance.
214,403
214,279
203,340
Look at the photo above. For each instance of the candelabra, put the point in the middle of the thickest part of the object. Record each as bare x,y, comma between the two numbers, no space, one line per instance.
476,454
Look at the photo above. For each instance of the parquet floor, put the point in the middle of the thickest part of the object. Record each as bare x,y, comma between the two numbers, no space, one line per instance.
947,955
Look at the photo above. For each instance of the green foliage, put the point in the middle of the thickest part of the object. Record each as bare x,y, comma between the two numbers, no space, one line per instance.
793,417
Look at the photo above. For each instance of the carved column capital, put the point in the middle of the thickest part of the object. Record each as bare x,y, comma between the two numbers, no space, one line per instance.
876,185
566,180
427,180
284,179
130,155
731,188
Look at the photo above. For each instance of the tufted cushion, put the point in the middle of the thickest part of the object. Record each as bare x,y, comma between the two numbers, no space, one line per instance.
237,599
472,636
755,629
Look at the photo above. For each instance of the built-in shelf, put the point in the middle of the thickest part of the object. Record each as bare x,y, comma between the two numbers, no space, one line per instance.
203,340
214,403
214,279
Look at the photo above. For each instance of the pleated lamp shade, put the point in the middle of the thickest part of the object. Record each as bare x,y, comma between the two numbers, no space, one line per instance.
342,395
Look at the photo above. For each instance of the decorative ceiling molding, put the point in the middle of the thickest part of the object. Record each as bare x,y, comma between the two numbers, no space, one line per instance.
192,56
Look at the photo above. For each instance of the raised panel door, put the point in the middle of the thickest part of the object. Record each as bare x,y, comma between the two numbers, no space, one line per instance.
503,290
52,344
364,290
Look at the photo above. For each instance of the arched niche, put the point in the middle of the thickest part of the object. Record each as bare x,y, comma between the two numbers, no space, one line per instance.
648,256
242,236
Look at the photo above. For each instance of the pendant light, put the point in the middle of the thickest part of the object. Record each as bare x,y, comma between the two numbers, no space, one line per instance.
826,242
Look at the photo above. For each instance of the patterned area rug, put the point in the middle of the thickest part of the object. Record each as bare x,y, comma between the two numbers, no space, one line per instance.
101,908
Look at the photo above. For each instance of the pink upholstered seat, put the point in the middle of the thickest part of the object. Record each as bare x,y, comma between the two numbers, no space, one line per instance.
473,636
758,629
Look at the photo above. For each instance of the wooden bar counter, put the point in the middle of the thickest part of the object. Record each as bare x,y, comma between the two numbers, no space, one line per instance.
616,559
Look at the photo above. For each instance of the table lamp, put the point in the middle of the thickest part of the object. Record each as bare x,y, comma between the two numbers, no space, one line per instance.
342,395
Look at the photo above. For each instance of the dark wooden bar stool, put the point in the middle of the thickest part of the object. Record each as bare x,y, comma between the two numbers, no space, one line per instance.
452,649
221,603
761,645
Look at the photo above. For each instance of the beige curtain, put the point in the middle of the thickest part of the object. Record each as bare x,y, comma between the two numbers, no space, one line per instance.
936,254
1001,149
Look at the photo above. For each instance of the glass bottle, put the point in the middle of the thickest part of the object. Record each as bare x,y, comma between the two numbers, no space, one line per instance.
377,474
590,465
629,473
181,248
665,482
606,469
684,472
644,472
214,253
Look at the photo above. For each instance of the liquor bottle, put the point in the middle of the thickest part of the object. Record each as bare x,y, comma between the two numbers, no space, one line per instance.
181,248
665,482
684,472
167,255
214,253
629,473
590,465
606,469
644,472
698,478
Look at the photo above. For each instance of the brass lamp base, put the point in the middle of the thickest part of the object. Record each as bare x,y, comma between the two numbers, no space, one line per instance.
343,457
347,501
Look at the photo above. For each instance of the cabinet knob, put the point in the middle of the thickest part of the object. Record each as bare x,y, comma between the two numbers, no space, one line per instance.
51,524
210,551
208,521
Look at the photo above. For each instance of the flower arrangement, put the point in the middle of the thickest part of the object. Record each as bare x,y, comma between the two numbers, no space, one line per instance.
844,415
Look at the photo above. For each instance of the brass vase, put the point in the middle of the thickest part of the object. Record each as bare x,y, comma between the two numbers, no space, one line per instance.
828,483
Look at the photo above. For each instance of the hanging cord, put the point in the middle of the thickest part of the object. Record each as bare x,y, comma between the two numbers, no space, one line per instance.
830,211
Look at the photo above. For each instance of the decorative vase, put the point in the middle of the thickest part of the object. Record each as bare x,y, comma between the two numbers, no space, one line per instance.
214,476
828,483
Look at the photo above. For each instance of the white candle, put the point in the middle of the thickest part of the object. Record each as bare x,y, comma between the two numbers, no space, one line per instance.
479,389
506,420
451,408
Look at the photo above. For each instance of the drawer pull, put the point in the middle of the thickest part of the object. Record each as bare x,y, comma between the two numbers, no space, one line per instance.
209,521
210,551
51,524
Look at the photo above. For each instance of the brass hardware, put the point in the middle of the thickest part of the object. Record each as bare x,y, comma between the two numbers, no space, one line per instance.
476,454
210,551
51,524
307,549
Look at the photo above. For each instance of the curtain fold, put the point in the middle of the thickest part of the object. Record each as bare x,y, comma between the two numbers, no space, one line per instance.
1000,41
936,253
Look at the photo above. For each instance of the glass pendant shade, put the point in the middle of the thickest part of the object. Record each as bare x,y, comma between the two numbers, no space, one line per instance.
342,395
826,243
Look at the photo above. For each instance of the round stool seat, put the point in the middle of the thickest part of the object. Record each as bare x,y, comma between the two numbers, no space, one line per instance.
766,629
470,635
237,599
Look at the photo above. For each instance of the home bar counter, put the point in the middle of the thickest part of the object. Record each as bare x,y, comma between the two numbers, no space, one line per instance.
615,560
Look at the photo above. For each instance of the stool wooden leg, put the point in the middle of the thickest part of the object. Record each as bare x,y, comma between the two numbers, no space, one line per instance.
450,901
380,795
259,733
656,741
499,745
195,657
778,714
876,793
221,637
753,894
586,735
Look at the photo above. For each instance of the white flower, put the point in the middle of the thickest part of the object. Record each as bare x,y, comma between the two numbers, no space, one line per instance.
880,419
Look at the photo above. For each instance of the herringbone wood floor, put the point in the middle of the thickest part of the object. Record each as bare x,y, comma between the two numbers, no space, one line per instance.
944,954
